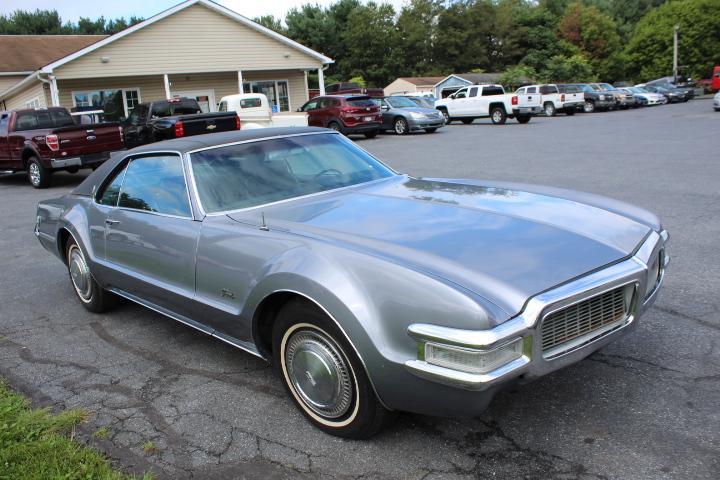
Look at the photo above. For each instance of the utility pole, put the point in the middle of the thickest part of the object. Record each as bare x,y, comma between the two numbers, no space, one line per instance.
675,52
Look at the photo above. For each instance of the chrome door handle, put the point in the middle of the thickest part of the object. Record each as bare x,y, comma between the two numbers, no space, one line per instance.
111,222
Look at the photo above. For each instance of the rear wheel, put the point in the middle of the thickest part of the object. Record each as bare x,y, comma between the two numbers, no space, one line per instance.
92,296
589,106
323,375
335,126
38,175
446,115
549,108
498,116
400,126
523,118
72,169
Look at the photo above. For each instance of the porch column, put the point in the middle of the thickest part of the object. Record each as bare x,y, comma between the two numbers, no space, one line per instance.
240,82
167,86
321,81
54,94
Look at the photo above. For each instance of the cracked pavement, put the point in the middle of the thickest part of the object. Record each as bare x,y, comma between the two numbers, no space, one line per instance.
645,407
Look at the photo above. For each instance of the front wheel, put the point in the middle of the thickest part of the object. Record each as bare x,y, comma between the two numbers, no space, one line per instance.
335,126
92,296
446,115
498,116
323,375
589,107
38,175
523,118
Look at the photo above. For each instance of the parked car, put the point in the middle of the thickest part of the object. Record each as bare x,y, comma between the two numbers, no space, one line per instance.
687,91
596,99
43,141
347,114
481,101
552,99
672,95
351,87
716,102
368,290
403,116
622,99
574,97
425,101
178,117
255,111
651,98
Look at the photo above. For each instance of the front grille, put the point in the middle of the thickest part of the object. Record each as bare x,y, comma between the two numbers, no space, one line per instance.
583,318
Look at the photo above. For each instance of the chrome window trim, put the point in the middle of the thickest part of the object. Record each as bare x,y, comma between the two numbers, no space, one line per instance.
204,213
129,159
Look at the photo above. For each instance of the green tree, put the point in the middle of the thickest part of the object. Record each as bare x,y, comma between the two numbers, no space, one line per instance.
563,69
417,29
48,22
649,51
596,35
518,76
271,22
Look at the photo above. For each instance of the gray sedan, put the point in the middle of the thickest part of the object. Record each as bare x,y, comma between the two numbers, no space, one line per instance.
402,115
368,290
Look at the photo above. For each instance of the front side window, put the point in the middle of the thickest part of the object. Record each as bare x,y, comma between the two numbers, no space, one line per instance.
156,184
311,105
461,93
111,192
251,174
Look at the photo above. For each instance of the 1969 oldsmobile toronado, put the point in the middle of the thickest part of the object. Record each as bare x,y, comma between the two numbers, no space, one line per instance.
368,290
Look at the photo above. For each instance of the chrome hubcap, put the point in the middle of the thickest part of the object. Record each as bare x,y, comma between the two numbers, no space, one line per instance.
497,116
80,274
34,172
400,127
589,107
319,373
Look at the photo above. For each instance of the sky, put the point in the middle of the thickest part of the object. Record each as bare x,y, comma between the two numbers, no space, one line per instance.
74,9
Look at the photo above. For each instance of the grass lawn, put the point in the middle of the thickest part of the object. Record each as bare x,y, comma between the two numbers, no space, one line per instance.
36,444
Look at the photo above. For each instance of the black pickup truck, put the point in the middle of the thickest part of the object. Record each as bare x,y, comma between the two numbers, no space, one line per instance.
174,118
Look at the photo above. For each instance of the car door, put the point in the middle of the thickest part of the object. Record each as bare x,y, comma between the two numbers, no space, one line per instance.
134,128
458,105
387,114
473,101
151,236
311,109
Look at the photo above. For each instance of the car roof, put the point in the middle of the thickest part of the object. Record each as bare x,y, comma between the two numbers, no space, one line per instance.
187,144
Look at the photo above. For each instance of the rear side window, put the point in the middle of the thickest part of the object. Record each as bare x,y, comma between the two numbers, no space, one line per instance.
548,89
332,88
532,90
487,91
222,107
61,118
250,102
362,102
4,121
156,184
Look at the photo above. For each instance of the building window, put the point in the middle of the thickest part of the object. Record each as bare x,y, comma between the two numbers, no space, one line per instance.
117,103
34,103
277,92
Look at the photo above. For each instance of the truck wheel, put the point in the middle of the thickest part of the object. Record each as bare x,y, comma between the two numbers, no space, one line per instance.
92,296
446,115
589,106
467,121
523,118
498,116
38,175
372,134
323,375
549,109
72,169
400,126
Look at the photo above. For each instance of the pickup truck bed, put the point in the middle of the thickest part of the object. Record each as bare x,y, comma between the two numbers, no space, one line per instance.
46,140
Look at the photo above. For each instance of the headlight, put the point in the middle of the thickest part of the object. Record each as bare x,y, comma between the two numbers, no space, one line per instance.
654,273
416,115
470,360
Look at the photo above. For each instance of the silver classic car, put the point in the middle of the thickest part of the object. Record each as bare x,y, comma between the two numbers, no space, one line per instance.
368,290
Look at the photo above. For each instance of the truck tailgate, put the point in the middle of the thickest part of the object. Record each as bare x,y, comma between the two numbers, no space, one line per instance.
529,100
208,123
89,139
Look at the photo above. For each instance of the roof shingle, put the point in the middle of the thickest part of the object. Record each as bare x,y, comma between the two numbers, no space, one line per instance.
27,53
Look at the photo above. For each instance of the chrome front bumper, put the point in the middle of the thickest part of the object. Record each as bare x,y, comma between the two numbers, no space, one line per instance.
532,363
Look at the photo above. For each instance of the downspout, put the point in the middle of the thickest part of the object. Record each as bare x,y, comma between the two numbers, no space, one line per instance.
52,83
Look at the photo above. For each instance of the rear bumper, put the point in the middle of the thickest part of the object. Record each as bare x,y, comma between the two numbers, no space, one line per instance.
81,161
456,393
572,106
527,110
361,127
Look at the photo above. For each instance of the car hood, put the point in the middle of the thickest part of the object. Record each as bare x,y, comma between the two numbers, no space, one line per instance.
502,244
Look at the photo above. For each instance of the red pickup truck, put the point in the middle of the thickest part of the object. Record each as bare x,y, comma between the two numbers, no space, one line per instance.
42,141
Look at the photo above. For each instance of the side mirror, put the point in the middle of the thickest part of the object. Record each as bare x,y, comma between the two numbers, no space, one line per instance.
385,108
299,109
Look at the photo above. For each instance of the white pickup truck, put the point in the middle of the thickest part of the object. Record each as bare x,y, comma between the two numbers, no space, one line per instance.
479,101
255,112
554,100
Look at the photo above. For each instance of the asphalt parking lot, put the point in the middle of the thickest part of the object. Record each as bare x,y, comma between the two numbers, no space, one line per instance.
645,407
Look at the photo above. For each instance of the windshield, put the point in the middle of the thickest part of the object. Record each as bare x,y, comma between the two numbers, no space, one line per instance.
175,107
400,102
250,174
586,88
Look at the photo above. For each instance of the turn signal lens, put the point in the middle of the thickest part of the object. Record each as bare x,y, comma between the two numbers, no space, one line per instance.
237,122
473,361
514,100
654,273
